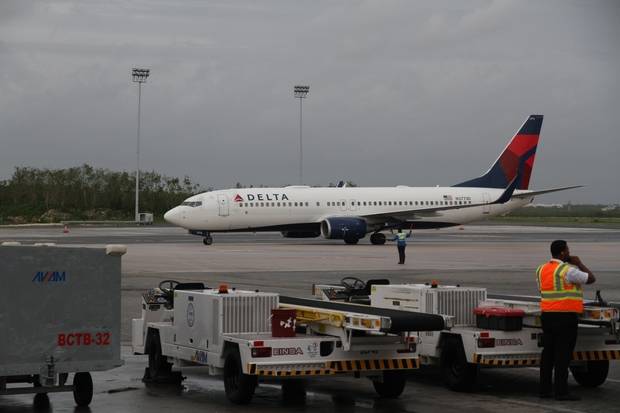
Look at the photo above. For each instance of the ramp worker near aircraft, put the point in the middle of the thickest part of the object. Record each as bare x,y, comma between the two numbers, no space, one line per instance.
561,302
401,244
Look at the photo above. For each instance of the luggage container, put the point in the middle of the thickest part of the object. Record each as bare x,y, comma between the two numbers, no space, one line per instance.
59,315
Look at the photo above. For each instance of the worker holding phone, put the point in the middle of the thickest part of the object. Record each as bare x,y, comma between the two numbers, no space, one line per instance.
561,302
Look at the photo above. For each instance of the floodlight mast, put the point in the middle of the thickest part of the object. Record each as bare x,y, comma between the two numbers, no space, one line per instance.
300,93
139,76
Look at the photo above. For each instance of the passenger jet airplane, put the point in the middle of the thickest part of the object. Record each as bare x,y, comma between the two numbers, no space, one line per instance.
351,213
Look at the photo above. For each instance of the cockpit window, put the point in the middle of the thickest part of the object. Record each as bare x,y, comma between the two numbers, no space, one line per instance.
192,203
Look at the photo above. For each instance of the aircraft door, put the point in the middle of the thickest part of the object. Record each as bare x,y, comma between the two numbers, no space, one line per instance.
343,204
486,209
222,204
353,205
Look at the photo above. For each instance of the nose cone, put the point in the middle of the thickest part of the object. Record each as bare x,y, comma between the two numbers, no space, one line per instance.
172,216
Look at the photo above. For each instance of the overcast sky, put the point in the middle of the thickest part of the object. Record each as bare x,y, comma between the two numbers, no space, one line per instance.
401,92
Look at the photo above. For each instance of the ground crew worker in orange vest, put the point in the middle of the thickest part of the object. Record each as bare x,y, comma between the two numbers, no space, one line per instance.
561,302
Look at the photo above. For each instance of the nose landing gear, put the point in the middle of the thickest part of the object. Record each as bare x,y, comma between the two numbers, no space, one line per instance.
207,239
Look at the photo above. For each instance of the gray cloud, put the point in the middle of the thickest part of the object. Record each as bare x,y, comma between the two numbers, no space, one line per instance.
417,93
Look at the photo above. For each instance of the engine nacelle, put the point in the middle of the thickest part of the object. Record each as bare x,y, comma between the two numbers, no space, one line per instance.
343,228
300,234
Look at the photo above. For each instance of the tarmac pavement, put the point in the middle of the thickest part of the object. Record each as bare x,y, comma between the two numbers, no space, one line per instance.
501,258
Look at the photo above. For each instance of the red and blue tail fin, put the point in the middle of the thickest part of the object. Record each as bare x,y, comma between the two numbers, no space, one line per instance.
516,160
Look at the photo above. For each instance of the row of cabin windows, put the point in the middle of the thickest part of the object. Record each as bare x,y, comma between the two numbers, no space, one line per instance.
359,203
274,204
401,203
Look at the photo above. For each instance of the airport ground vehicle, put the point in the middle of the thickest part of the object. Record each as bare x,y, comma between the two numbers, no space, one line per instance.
489,330
59,315
247,335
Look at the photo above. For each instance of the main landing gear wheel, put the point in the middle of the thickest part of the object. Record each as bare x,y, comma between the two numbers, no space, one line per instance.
591,374
377,238
208,240
351,241
82,389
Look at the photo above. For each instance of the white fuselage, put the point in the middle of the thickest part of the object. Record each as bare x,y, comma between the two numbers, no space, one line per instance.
255,209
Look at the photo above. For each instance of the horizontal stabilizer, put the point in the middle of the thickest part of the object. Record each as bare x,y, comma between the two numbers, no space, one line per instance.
544,191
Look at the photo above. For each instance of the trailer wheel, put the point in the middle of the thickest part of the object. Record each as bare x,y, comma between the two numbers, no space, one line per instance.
239,387
82,389
158,364
41,401
294,391
392,385
591,374
458,374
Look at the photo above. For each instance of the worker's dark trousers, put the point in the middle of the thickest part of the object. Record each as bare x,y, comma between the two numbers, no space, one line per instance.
401,254
559,337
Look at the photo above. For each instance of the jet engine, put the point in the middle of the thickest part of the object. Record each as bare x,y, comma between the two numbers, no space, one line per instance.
344,228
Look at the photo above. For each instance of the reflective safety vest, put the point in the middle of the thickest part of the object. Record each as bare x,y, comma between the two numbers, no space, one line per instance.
401,238
557,294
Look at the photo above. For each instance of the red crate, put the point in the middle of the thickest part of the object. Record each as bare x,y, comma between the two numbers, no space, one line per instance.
283,322
499,318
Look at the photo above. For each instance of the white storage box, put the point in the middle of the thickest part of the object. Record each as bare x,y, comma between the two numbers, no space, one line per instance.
59,310
458,302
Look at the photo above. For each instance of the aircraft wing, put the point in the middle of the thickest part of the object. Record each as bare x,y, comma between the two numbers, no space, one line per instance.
399,216
544,191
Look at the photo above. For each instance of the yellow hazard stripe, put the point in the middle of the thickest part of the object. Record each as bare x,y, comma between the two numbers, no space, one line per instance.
289,373
578,355
380,364
339,366
597,355
500,362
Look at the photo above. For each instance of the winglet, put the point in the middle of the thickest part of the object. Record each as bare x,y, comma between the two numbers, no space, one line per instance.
529,194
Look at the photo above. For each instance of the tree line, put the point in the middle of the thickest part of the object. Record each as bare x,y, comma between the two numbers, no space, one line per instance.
569,210
84,192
